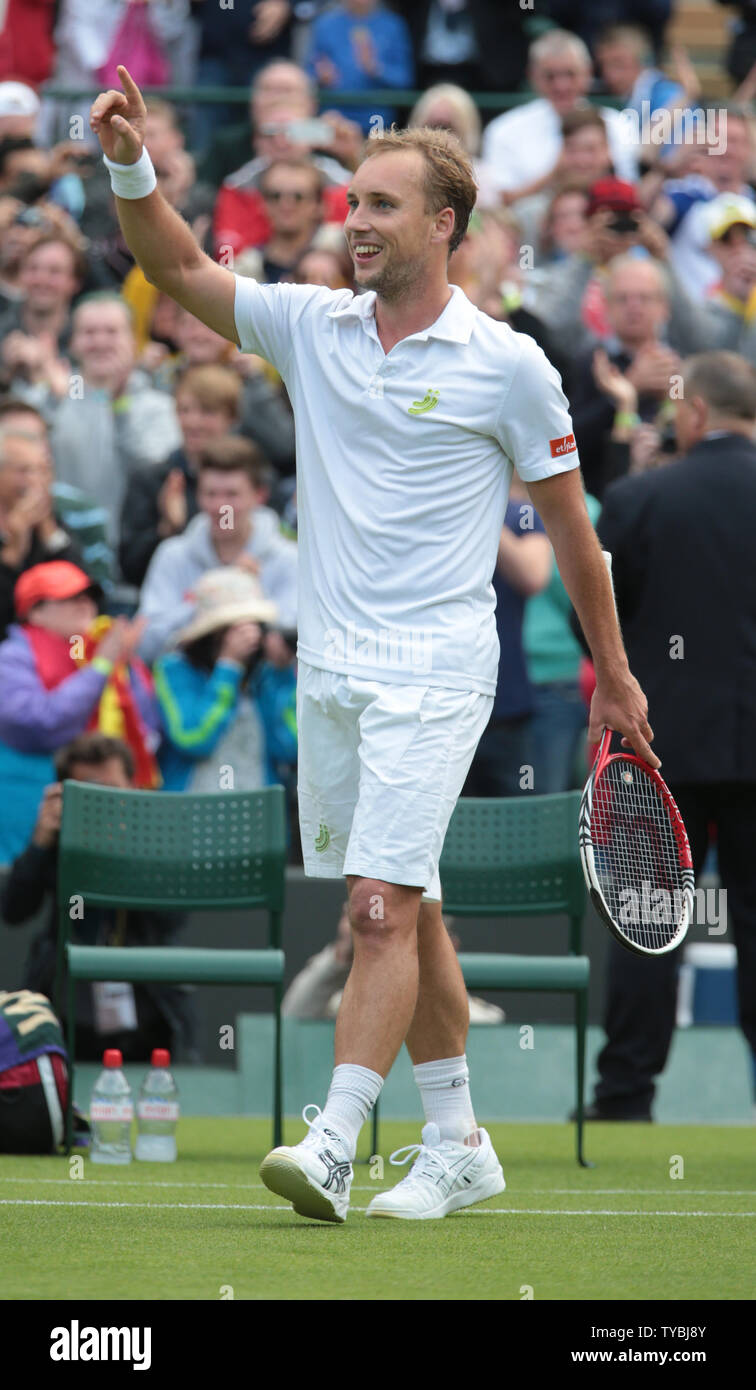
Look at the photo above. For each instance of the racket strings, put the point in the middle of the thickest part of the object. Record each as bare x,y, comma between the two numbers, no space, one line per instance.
636,856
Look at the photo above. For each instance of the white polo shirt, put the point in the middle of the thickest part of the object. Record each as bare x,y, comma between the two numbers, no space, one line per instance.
403,468
524,144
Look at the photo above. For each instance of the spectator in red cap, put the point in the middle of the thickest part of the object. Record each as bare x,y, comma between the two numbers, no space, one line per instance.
571,296
30,531
63,671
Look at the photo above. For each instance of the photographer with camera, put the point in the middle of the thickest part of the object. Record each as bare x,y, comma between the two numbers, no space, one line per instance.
571,298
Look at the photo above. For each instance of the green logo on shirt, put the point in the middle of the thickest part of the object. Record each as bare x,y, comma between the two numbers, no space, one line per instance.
429,402
323,839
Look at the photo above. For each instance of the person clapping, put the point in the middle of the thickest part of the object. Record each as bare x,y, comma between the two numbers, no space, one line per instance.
63,671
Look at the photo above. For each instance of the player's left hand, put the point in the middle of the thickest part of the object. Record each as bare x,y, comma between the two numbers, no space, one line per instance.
621,705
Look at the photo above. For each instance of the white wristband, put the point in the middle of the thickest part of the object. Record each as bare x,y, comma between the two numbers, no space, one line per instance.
132,180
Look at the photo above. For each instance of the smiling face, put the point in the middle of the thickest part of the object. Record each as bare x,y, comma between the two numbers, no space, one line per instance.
103,339
562,80
393,239
586,156
48,276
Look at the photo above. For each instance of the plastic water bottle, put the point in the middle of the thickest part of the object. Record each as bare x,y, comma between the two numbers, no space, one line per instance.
157,1112
111,1112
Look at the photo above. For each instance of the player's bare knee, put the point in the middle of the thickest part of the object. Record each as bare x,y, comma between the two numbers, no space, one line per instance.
378,912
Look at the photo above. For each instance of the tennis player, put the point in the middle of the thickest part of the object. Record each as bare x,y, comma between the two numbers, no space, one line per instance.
412,408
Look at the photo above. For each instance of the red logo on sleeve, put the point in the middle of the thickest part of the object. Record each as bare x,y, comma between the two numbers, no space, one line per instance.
565,445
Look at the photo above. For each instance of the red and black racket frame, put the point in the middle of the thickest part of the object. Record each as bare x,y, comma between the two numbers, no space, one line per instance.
585,843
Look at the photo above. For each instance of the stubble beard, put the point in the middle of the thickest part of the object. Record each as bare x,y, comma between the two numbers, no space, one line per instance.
395,282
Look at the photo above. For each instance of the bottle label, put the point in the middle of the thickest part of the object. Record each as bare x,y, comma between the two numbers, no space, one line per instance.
111,1110
158,1110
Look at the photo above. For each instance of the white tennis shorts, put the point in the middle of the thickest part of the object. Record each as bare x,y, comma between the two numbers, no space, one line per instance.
380,769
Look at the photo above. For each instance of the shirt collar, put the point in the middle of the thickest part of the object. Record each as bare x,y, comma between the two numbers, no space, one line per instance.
454,324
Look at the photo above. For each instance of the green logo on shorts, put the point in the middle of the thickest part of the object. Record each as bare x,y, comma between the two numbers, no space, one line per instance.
322,839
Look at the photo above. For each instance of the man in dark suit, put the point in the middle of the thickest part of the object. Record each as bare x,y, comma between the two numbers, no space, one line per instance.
479,44
683,542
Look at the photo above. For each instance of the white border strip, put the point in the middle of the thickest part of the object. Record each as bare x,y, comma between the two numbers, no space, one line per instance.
264,1206
638,1192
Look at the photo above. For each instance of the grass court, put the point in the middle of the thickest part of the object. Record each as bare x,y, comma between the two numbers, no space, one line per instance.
625,1229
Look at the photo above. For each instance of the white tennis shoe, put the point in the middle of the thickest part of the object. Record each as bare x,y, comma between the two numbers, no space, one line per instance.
315,1175
444,1177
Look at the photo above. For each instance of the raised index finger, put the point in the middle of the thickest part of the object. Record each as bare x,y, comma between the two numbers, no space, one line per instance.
128,84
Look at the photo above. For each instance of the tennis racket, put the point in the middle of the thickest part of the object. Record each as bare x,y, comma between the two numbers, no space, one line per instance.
635,853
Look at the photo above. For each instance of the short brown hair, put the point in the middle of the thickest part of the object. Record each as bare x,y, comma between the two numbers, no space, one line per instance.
97,297
449,178
93,750
233,454
79,262
629,35
318,182
582,119
13,405
725,380
215,387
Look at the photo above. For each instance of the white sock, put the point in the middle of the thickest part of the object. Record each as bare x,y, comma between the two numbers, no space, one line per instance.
445,1091
351,1096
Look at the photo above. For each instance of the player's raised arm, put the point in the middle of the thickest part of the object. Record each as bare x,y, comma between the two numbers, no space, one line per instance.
156,235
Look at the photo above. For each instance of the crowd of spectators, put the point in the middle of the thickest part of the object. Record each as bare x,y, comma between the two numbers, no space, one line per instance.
147,466
141,447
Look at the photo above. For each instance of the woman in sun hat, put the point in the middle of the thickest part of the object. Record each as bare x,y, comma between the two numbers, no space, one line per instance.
228,691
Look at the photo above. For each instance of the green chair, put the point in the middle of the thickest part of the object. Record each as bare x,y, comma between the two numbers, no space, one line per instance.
518,857
176,852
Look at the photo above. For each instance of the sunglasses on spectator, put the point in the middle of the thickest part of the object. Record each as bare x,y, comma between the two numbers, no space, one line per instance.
274,195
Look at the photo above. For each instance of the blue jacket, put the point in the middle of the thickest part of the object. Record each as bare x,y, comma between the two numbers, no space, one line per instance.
332,38
198,708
